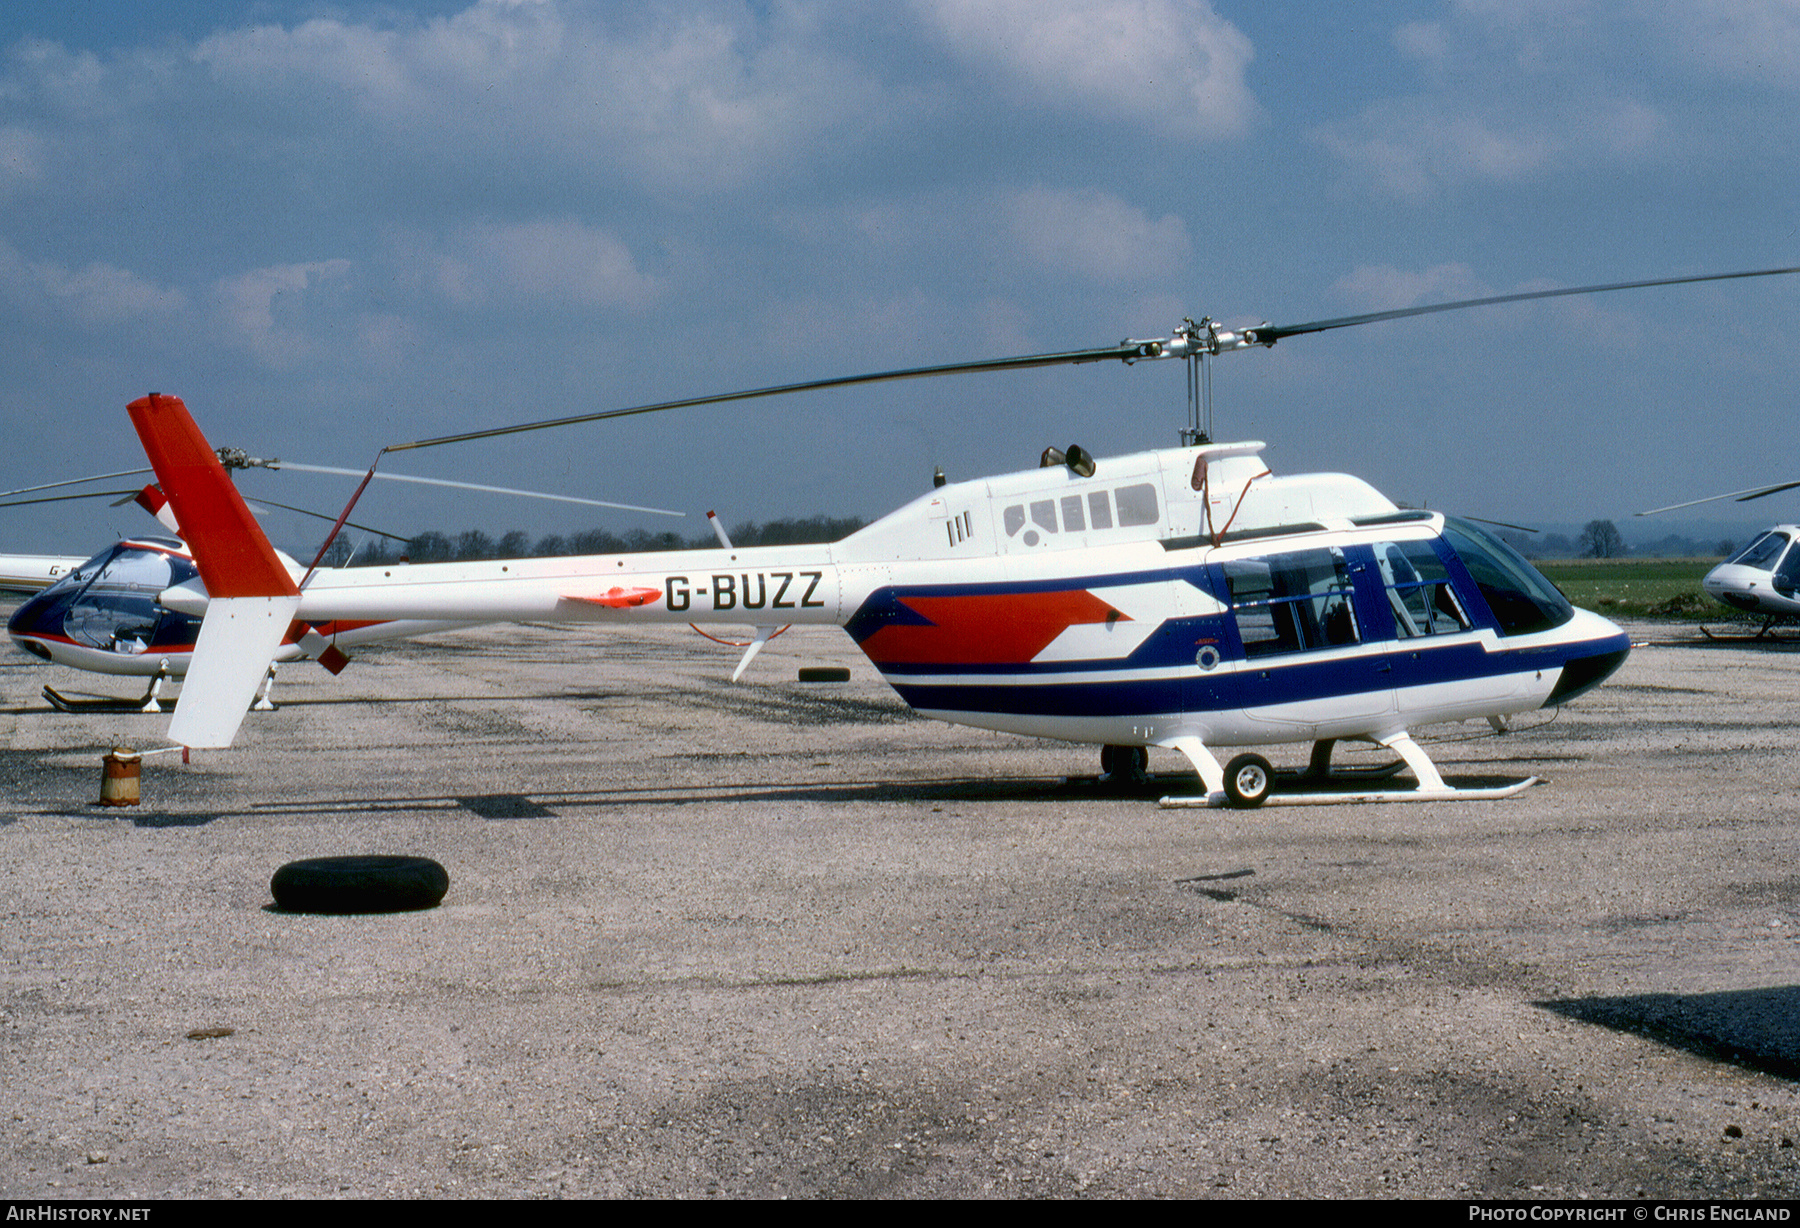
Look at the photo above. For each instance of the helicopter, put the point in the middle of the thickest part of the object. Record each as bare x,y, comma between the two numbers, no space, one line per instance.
30,573
1762,578
101,614
1185,598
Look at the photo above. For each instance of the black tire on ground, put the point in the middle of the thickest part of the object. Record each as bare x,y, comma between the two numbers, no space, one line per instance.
359,884
1125,762
824,673
1247,781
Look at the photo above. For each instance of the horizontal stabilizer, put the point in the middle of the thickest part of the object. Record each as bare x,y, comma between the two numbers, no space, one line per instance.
238,639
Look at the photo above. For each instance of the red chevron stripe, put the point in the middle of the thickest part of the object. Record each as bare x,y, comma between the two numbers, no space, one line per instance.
985,629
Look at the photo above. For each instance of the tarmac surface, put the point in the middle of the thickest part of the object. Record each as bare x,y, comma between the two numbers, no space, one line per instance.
786,938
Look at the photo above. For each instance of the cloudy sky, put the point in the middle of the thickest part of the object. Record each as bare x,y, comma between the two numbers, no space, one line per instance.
331,227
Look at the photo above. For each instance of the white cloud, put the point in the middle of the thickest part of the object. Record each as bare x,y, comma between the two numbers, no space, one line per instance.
1382,287
1756,40
695,98
552,262
21,157
263,309
98,294
1416,147
1511,91
1174,66
1097,235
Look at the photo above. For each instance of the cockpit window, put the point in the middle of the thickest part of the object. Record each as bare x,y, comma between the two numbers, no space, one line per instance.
1761,553
1418,590
1293,602
117,610
1522,600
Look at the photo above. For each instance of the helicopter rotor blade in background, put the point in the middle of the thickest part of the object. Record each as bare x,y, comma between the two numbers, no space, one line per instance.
255,502
98,477
1742,496
493,490
128,495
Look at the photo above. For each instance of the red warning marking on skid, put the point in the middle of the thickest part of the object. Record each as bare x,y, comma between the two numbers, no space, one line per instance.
986,629
622,598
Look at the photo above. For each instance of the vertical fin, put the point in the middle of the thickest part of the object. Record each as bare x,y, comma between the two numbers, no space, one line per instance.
251,596
234,557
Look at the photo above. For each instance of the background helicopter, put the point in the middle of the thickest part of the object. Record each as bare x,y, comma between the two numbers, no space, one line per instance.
101,615
1182,598
30,573
1763,578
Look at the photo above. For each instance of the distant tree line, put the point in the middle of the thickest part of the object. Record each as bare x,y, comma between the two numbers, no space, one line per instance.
1601,539
436,547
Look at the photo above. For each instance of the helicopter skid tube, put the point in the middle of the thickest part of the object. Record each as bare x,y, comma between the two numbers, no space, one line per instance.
1322,798
1356,797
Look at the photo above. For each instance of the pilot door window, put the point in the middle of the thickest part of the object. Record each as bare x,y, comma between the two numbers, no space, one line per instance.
118,610
1040,520
1418,590
1299,602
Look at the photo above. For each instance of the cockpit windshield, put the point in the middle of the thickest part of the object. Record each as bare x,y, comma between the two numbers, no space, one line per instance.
116,608
1522,600
1761,553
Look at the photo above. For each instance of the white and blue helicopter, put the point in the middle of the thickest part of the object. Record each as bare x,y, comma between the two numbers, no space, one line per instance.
1185,598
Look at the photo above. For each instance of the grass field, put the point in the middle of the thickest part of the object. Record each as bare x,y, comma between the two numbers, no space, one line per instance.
1641,588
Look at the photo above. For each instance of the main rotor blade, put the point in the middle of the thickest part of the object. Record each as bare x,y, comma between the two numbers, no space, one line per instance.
98,477
1125,351
1742,496
92,494
1271,333
496,490
1186,343
257,501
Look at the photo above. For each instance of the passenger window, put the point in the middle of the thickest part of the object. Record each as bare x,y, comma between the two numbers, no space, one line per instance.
1137,505
1071,512
1296,602
1418,590
1099,509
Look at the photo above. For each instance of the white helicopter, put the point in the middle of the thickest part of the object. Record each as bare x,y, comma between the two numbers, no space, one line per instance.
31,573
1183,598
101,615
1763,578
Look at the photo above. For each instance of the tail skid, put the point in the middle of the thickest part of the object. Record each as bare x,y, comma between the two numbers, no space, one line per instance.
252,599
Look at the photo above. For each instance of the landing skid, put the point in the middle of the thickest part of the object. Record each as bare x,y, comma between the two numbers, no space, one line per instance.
1354,797
1763,635
1248,781
150,702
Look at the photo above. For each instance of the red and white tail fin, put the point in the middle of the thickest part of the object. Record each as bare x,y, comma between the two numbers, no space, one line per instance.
251,598
151,500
